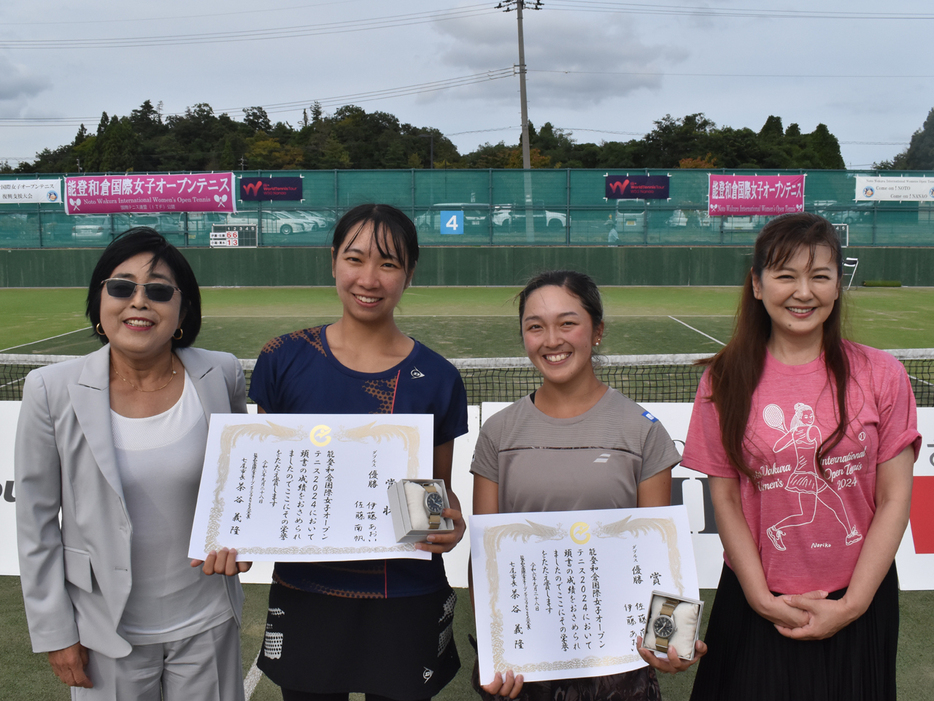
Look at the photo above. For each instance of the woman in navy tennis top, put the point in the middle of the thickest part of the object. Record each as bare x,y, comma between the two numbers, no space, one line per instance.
379,627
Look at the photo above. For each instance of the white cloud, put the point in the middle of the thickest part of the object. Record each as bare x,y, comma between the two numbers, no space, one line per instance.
571,59
18,83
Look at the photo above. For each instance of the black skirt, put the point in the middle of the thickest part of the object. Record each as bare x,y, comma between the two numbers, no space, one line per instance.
749,659
401,648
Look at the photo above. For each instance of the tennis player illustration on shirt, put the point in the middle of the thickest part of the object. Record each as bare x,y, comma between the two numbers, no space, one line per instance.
810,486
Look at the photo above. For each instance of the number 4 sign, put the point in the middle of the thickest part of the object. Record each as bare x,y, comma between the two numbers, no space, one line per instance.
452,222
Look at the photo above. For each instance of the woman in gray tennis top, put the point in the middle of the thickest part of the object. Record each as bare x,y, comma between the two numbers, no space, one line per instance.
573,444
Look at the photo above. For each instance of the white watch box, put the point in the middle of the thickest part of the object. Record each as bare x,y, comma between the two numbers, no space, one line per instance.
687,617
409,519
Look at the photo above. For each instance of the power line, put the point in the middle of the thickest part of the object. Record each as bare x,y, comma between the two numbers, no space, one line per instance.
177,18
279,107
275,33
730,75
631,8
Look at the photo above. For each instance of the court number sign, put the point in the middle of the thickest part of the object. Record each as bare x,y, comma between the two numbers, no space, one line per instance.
452,222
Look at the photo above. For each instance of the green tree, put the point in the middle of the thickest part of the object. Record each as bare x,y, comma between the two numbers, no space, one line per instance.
334,155
257,119
920,152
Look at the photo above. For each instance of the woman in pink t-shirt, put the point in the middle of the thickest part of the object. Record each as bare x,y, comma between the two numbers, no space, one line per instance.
811,514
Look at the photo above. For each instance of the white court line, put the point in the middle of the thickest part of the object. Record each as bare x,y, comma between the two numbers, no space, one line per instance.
23,345
698,331
251,679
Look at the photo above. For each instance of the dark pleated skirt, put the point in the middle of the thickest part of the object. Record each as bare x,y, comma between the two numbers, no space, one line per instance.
401,648
749,659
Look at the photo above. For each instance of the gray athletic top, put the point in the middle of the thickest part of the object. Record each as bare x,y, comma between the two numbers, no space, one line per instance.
592,461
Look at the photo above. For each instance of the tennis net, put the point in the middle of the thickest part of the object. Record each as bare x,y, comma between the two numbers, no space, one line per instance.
643,378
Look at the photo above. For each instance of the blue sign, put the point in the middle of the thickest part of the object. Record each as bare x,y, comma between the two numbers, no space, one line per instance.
452,222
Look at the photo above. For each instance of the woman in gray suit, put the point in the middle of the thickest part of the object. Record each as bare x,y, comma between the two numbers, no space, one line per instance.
109,449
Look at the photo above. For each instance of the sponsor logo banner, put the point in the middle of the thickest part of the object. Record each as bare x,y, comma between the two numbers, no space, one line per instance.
637,187
755,194
882,189
31,191
256,189
105,194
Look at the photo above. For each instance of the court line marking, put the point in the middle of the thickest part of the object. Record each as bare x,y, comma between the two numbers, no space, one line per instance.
251,680
23,345
698,331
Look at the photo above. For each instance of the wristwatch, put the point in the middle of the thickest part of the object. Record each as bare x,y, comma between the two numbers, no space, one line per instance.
664,625
434,505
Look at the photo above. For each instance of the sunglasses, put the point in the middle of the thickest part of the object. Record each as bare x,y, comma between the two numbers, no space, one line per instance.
124,289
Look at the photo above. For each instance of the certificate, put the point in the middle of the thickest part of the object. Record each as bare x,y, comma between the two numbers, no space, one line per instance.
564,594
302,488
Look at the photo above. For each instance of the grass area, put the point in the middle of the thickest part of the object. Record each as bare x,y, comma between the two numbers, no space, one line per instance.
473,322
26,677
476,322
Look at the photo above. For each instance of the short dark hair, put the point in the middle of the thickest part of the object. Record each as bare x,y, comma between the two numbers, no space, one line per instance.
143,239
578,284
389,224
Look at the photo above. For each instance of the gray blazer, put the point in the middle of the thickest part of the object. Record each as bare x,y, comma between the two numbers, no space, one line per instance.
76,576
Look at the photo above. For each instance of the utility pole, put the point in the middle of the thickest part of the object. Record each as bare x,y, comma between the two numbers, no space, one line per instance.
506,6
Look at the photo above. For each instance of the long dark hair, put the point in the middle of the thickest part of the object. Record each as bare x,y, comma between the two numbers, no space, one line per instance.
735,371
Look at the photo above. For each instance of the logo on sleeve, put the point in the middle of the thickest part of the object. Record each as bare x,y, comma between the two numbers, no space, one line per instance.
650,417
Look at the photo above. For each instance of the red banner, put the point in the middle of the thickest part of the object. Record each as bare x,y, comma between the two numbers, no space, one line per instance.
104,194
755,194
922,515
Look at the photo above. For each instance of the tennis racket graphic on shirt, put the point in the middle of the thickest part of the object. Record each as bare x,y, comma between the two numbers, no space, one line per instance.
774,417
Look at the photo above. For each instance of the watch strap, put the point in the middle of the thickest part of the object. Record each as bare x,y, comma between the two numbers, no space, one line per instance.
434,520
667,610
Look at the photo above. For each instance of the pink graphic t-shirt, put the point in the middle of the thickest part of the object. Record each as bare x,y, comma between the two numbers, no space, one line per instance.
809,522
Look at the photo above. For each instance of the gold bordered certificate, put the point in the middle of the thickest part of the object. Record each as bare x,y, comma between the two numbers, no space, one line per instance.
301,488
564,594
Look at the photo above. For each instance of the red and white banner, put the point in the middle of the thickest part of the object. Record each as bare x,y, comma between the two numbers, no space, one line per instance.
731,195
194,192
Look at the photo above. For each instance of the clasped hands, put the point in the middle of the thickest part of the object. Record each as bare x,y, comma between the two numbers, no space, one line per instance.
809,616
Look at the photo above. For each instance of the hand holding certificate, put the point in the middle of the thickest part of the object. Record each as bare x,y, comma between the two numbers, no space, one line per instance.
299,488
564,594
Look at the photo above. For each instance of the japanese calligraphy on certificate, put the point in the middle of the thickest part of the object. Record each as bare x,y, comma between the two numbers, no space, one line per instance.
564,594
302,488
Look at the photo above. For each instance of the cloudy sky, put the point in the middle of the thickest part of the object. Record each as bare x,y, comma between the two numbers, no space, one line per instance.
603,71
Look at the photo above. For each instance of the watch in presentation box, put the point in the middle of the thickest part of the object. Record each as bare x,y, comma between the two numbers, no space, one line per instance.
673,620
416,507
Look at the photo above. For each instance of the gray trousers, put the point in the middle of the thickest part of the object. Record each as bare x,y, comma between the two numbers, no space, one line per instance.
204,667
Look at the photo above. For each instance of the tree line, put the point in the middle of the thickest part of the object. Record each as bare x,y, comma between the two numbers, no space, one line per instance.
200,140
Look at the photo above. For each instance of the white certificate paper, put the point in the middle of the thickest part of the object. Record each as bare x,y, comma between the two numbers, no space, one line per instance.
303,488
564,594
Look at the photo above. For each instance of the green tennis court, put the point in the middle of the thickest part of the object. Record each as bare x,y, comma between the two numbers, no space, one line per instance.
463,322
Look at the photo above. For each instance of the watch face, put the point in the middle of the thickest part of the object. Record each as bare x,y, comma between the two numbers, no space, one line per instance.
664,626
434,503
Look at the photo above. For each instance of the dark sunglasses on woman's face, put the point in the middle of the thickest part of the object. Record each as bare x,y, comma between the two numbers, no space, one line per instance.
124,289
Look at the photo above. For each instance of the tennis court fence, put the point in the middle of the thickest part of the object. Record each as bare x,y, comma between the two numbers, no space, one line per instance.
643,378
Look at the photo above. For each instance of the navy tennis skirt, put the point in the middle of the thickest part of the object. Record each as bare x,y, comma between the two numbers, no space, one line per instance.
401,648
